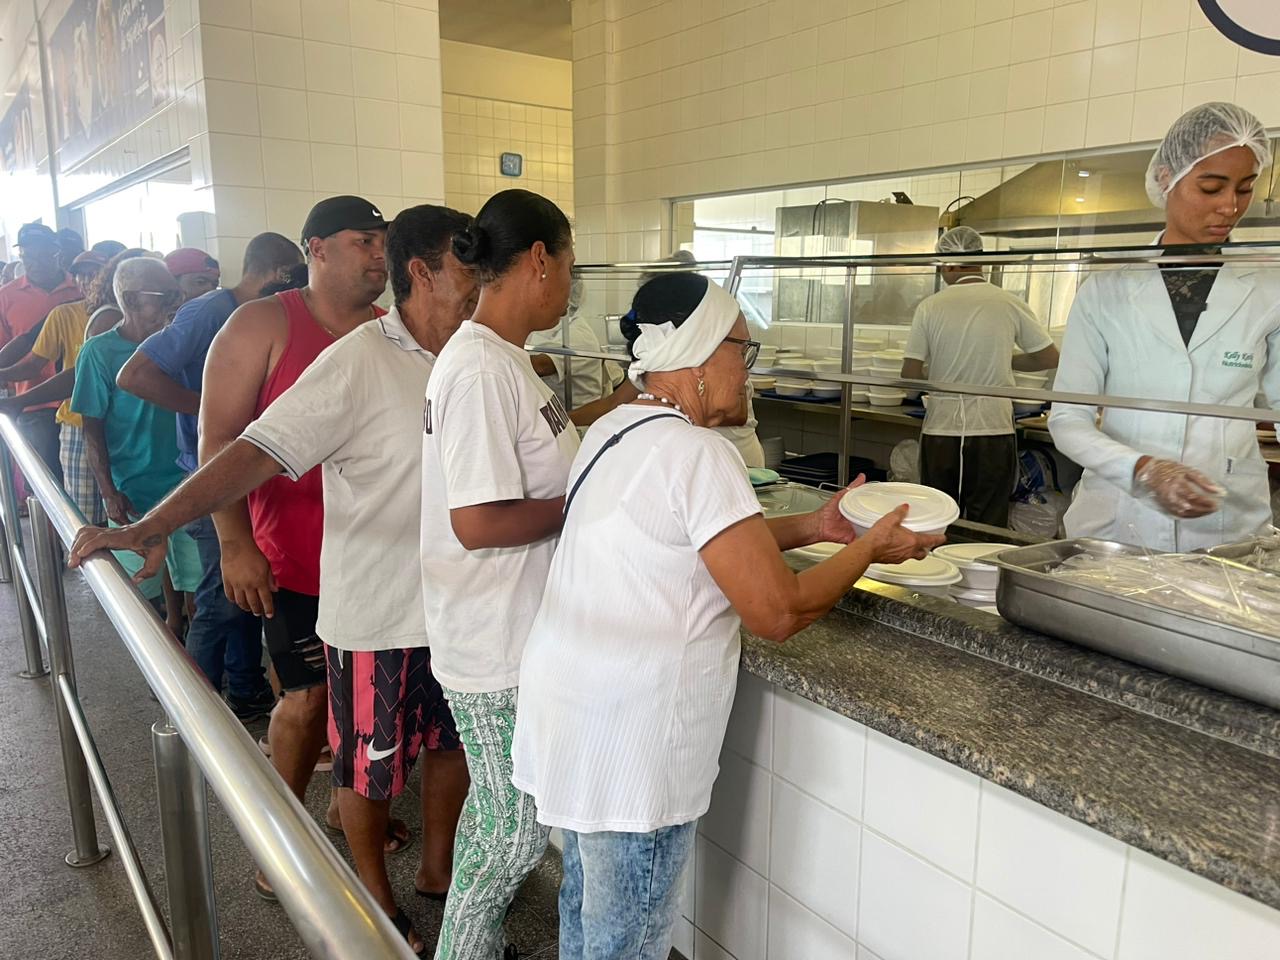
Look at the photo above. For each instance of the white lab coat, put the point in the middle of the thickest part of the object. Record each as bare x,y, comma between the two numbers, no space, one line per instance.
1122,339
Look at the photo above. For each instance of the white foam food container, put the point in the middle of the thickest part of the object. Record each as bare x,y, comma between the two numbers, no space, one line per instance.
975,573
932,575
817,552
888,357
932,511
792,388
858,396
868,344
825,390
885,396
826,366
764,382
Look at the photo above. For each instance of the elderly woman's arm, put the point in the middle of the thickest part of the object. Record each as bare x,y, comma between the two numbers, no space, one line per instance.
776,603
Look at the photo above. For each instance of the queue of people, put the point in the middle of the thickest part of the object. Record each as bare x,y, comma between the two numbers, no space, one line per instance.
445,571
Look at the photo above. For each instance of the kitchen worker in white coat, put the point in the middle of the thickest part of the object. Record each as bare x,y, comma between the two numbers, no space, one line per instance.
1208,333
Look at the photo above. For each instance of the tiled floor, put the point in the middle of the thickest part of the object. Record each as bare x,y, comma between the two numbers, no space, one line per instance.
51,912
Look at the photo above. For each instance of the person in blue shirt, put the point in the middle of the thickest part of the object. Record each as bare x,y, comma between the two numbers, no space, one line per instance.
168,370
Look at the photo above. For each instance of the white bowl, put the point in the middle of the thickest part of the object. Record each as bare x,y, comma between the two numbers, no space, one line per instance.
824,390
826,366
975,573
858,396
931,575
792,388
932,511
885,397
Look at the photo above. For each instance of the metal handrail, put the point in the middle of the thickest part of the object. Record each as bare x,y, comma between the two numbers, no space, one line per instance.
333,912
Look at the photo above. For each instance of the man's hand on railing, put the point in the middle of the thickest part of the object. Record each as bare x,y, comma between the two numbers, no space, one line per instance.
144,538
247,578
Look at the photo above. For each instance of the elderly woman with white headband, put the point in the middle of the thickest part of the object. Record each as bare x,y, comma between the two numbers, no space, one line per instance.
630,668
1208,332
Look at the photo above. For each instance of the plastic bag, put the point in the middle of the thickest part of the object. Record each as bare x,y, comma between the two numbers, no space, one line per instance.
904,462
1039,514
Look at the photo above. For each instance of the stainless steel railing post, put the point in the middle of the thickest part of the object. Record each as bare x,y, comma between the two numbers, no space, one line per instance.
13,559
53,603
188,857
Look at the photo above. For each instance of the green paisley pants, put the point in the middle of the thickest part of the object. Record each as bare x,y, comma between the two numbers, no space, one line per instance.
499,839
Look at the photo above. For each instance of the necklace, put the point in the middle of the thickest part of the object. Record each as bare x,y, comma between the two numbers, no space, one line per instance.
662,400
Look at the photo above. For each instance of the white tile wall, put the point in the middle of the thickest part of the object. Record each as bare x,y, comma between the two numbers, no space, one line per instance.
894,876
1059,872
304,98
752,94
796,933
909,908
814,855
922,803
806,739
478,130
1169,913
739,818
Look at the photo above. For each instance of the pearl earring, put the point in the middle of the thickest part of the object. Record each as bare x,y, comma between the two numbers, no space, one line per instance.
544,276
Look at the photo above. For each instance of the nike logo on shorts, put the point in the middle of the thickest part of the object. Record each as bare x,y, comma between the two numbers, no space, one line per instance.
374,754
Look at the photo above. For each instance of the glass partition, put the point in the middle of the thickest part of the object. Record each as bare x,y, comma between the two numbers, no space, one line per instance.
832,394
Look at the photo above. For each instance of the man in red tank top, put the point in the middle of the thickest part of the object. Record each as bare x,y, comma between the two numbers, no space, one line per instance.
271,541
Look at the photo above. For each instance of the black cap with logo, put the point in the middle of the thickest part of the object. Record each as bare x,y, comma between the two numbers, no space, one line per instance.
34,234
341,213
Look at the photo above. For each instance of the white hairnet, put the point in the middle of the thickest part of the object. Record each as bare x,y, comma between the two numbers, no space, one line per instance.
1201,132
960,240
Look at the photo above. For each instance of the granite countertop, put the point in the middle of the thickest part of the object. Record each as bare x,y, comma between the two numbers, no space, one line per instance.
1184,773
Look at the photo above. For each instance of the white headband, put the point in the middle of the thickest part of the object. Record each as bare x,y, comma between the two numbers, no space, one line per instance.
665,346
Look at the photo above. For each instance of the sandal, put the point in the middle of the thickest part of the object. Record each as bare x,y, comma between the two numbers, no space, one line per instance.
400,841
262,890
436,897
404,926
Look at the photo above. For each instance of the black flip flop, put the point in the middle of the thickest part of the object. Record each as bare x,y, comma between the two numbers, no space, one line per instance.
403,925
437,897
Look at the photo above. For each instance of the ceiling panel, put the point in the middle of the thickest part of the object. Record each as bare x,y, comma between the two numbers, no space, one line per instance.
540,27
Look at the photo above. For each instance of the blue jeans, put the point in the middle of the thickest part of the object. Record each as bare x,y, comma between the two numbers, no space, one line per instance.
620,897
222,638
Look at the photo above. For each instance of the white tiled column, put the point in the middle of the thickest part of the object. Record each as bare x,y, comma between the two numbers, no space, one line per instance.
310,98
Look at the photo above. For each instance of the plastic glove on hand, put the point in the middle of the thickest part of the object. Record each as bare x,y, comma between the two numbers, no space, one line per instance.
1179,490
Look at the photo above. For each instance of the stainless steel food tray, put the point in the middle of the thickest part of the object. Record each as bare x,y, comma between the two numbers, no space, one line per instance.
1242,550
1228,658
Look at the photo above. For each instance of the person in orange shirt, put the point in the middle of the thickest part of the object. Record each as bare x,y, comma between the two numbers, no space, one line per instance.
24,303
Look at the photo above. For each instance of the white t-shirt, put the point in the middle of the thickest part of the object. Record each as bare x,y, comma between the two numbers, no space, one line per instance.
966,334
631,666
591,379
358,410
492,431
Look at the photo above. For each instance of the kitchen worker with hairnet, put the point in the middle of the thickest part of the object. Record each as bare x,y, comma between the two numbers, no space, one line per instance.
1205,332
966,333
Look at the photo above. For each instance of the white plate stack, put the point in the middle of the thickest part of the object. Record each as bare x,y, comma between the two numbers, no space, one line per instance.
978,579
932,575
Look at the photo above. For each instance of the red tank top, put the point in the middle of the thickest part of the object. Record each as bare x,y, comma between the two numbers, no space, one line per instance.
288,515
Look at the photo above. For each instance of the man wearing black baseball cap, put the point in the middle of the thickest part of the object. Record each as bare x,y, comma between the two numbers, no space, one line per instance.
271,541
24,303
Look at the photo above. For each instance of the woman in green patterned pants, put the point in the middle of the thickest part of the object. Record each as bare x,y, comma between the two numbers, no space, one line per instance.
496,452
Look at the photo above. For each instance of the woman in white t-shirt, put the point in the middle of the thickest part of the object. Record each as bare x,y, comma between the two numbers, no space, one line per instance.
630,668
496,452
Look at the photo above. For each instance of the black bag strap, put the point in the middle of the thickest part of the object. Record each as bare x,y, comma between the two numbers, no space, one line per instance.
611,442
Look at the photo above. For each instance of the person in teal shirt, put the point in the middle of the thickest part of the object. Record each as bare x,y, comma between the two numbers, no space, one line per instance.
133,444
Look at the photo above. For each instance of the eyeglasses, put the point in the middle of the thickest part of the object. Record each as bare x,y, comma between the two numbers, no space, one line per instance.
750,350
168,298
